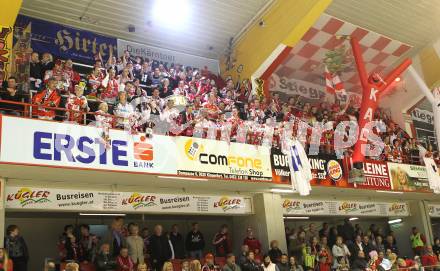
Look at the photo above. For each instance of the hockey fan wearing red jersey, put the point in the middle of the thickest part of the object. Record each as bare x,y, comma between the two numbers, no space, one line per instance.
77,105
48,97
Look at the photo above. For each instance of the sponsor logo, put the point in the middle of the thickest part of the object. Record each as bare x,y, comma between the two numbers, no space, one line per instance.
196,152
397,208
137,201
87,150
334,170
291,205
26,196
228,204
348,207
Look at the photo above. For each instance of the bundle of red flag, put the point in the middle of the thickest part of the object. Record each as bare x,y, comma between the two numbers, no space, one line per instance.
333,83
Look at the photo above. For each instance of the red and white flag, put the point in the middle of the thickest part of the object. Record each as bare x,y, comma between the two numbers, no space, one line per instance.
333,83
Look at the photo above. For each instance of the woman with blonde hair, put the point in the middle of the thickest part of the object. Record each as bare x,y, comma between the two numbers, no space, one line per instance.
5,262
167,266
195,265
72,267
142,267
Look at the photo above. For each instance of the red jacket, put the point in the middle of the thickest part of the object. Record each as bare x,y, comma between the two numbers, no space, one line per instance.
253,244
429,260
45,99
124,263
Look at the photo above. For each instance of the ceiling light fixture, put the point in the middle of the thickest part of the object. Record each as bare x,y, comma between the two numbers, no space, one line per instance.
389,192
183,178
397,79
394,221
353,218
100,214
171,13
297,217
282,190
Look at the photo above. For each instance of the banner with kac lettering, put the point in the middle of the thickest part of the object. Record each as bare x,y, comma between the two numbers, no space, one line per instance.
167,57
344,208
66,42
198,157
74,200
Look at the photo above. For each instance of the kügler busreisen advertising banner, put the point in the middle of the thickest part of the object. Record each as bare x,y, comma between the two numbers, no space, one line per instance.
220,159
66,42
167,57
45,143
405,177
343,208
83,200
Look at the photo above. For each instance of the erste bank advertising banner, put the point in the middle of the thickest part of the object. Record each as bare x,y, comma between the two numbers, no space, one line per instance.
46,143
220,159
66,42
167,57
344,208
74,200
408,177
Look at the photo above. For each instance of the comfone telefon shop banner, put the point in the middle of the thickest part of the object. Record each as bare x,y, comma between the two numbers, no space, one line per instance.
88,200
45,143
220,159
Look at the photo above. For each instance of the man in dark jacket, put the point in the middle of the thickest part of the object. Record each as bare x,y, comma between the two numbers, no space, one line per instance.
159,249
16,248
177,240
360,263
347,231
283,265
105,261
195,242
251,264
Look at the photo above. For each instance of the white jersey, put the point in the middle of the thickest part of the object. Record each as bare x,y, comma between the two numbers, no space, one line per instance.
300,169
123,112
433,173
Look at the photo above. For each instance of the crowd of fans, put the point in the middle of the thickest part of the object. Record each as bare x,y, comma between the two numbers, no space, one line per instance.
130,248
135,94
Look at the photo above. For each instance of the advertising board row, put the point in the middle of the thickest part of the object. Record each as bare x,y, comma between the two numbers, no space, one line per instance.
74,200
83,46
379,175
344,208
42,143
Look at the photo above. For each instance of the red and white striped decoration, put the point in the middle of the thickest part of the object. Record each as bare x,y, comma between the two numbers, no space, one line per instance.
333,83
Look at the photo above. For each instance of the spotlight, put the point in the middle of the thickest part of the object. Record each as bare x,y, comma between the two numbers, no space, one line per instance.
397,79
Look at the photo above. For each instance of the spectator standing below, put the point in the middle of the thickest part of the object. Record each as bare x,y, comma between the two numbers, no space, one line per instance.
243,255
230,263
356,247
312,232
5,263
209,263
367,246
124,262
339,250
48,97
178,244
325,231
222,242
430,259
195,265
296,246
390,245
184,266
105,261
35,75
360,263
436,246
251,264
159,248
418,241
380,247
135,244
195,242
274,252
283,264
116,240
268,265
294,266
11,94
253,243
347,231
88,244
123,110
16,248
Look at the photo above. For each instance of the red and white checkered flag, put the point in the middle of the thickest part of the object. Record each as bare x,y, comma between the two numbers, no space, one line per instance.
333,83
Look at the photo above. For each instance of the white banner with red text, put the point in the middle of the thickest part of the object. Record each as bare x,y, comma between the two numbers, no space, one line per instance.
105,201
343,208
